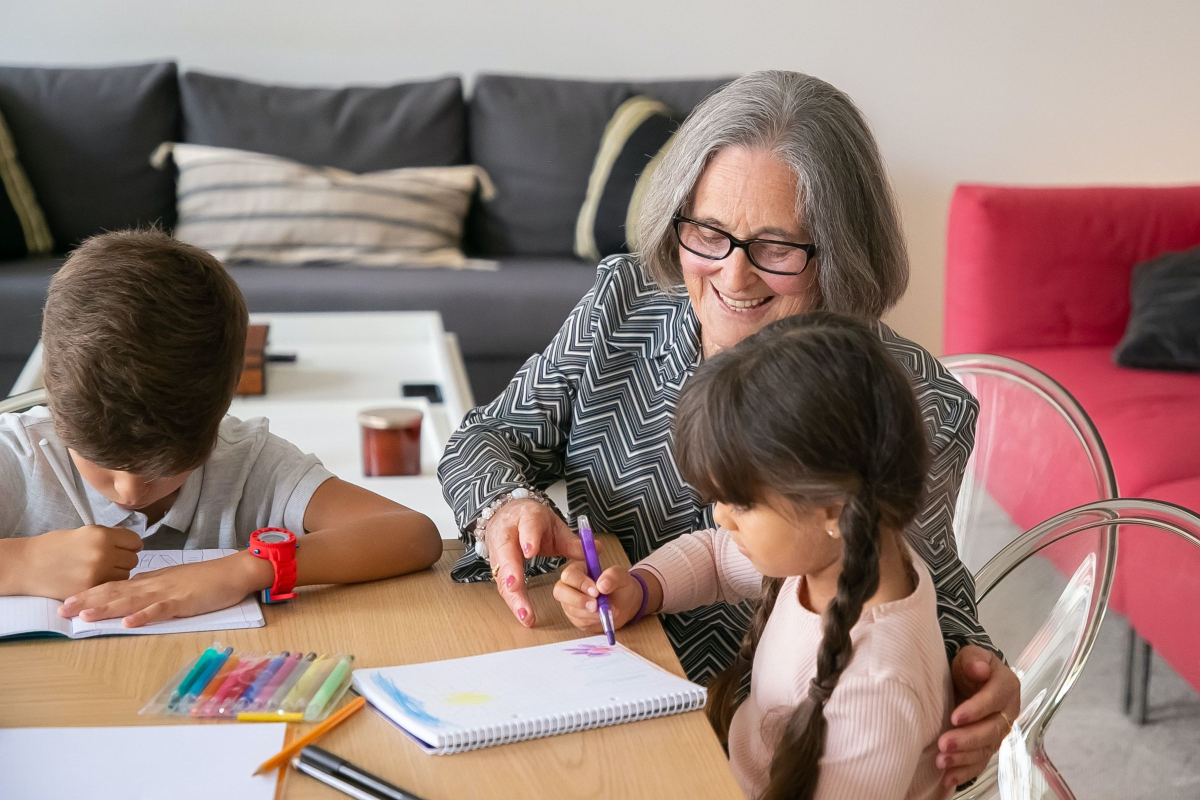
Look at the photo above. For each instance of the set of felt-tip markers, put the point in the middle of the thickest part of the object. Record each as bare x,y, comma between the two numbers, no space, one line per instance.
291,686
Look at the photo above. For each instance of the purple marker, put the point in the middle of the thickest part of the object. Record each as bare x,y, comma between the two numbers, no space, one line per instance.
593,568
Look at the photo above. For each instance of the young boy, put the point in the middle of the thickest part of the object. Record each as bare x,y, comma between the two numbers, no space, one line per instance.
143,341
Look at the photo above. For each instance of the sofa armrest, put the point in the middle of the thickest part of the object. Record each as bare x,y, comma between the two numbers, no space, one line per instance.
1050,267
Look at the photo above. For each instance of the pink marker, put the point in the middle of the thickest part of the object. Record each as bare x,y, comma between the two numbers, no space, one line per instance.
267,692
234,685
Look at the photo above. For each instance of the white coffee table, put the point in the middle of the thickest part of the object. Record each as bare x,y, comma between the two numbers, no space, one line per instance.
346,362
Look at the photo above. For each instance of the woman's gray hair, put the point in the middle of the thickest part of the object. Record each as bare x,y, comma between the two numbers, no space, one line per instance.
843,194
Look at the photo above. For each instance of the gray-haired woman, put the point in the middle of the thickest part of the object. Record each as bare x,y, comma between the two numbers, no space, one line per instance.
771,200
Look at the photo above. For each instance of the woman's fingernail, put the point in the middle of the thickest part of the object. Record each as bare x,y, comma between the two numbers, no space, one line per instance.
527,548
591,606
522,614
951,746
592,591
509,581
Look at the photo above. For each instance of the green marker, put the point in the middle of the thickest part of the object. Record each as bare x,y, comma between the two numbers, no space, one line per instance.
331,685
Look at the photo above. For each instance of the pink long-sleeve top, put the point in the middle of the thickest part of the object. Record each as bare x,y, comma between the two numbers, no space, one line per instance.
890,705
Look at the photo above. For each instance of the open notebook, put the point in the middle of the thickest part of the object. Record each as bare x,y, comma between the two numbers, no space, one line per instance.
467,703
26,616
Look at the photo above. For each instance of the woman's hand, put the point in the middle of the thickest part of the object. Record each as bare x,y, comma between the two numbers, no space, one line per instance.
984,688
182,591
577,594
523,529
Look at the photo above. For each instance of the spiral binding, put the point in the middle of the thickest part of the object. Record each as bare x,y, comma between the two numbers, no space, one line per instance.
521,730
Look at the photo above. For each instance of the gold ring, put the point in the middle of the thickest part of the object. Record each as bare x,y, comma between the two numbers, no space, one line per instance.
495,572
1004,717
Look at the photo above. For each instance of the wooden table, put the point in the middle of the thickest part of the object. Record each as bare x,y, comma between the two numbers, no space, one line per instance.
422,617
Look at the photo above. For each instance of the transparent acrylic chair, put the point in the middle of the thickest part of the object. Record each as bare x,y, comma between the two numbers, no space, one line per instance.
23,401
1036,454
1050,651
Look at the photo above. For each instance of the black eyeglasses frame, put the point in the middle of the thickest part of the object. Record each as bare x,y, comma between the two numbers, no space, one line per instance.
810,250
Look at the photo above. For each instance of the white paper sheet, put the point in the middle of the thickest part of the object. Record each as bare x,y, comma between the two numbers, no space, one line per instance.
180,762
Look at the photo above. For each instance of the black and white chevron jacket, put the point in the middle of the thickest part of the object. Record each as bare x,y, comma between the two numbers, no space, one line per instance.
596,407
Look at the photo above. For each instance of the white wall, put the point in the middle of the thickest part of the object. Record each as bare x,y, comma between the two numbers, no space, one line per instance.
1031,91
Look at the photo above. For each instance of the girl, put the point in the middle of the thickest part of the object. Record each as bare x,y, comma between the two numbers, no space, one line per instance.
814,481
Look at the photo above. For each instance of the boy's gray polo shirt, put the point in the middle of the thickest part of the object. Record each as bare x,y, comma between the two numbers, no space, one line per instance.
253,479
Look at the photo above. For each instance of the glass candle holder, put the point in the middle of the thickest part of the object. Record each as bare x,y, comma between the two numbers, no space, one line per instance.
391,441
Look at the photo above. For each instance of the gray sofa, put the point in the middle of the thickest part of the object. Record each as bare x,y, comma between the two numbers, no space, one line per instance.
85,136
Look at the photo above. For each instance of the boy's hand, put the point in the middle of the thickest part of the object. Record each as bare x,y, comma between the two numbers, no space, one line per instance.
61,563
577,594
182,591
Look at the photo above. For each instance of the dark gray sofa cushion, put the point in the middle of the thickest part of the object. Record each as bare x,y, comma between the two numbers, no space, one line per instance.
23,287
537,138
359,128
1164,321
85,137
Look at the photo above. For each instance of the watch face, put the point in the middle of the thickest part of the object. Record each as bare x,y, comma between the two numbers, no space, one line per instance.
273,537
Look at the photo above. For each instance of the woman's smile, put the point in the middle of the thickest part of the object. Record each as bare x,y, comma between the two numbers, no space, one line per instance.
741,305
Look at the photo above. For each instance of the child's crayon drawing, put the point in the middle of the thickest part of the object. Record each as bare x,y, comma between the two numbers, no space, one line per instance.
591,650
411,705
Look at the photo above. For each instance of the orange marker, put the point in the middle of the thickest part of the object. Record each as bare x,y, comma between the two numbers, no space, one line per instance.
312,736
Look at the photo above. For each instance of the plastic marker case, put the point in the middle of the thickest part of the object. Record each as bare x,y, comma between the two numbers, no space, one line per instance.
291,686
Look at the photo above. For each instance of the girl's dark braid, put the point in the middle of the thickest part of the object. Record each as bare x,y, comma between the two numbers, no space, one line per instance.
794,771
724,693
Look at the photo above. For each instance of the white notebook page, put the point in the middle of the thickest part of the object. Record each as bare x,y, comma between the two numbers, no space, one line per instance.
20,615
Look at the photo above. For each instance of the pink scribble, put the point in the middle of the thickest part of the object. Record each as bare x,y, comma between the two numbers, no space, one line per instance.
591,650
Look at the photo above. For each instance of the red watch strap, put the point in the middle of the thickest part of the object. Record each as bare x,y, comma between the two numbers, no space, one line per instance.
285,574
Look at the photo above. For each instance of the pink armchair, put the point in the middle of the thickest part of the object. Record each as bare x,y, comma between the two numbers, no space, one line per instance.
1042,275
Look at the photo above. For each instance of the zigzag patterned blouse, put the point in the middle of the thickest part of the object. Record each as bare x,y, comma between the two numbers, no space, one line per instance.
596,407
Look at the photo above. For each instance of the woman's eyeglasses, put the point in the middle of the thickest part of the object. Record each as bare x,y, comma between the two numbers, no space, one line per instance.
769,255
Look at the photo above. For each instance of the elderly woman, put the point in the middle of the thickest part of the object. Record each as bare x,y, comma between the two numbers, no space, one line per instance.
772,200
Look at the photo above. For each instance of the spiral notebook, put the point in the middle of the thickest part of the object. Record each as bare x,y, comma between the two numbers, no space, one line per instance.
480,701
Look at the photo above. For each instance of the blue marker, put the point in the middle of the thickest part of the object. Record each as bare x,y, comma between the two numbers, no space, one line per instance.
263,677
214,666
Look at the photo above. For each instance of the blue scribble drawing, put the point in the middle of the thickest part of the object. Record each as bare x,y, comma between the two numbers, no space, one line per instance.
411,705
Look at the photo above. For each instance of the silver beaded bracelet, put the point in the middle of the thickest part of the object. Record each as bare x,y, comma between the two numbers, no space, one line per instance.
489,511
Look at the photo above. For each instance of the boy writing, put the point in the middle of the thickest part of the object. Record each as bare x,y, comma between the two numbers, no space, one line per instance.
143,340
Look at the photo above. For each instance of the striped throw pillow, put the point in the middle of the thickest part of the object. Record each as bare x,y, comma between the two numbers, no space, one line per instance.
23,229
634,141
244,206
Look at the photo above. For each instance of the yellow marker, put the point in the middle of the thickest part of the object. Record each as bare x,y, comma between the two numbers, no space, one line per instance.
300,695
267,716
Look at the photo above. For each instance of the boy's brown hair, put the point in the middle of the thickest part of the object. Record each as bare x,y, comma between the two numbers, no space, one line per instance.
144,338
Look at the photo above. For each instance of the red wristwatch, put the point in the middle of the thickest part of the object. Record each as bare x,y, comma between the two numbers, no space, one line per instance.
277,545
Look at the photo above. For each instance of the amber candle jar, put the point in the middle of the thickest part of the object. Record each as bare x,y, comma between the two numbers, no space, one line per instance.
391,441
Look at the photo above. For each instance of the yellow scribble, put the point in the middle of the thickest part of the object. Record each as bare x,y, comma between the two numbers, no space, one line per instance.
468,699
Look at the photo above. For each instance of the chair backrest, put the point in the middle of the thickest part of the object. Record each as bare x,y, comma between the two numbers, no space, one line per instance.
23,401
1036,454
1049,659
